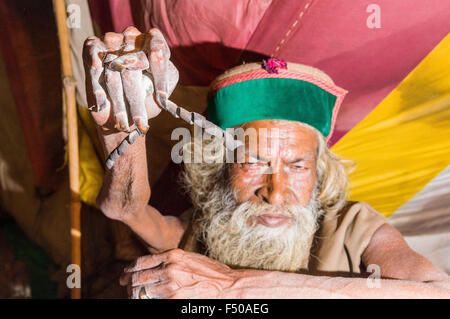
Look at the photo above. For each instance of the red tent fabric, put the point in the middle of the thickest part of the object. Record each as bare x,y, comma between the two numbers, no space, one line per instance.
31,62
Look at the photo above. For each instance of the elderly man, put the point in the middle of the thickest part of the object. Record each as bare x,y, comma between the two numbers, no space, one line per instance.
275,225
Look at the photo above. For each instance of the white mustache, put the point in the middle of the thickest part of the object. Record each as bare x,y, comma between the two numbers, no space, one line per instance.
257,209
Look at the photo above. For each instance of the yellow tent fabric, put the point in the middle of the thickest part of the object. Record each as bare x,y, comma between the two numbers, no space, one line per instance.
91,171
405,141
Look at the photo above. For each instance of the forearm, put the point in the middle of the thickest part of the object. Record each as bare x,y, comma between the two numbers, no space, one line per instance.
125,189
270,284
125,194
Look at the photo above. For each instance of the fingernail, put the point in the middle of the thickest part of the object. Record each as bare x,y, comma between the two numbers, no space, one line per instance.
141,125
121,123
129,60
116,66
132,61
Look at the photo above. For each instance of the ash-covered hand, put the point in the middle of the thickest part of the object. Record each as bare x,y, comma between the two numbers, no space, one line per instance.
178,274
123,74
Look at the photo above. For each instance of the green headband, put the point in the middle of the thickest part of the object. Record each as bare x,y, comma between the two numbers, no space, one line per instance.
287,95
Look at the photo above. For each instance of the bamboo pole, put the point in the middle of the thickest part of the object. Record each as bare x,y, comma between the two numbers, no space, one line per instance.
72,132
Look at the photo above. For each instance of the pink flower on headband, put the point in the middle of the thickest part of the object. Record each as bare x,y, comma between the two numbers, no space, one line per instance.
273,64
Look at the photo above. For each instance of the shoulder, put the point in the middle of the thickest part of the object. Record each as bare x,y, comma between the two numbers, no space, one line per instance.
359,208
354,217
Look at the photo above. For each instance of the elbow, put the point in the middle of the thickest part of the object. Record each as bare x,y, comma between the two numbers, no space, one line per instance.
124,205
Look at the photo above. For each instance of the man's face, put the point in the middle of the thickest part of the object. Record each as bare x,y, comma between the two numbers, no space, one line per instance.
280,170
264,213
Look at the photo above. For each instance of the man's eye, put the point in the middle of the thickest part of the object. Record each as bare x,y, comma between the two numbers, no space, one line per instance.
254,165
299,167
251,163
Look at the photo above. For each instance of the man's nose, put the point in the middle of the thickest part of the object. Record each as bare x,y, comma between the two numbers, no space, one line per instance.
275,190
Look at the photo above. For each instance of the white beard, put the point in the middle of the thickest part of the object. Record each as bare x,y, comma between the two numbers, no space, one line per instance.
230,240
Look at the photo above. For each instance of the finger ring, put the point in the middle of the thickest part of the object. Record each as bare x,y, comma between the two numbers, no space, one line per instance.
143,294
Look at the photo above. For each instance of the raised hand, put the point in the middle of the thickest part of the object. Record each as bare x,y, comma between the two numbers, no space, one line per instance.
122,73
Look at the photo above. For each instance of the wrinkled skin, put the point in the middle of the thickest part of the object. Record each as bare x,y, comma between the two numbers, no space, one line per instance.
173,273
178,274
119,94
277,172
293,164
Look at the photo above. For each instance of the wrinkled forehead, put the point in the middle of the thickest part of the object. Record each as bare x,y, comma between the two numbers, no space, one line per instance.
280,138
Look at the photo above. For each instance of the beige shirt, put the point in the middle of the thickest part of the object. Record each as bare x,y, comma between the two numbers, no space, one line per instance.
338,244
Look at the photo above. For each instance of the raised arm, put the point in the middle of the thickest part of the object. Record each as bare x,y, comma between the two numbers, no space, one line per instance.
121,98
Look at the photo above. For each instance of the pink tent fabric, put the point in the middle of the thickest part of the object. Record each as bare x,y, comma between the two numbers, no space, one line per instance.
208,37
